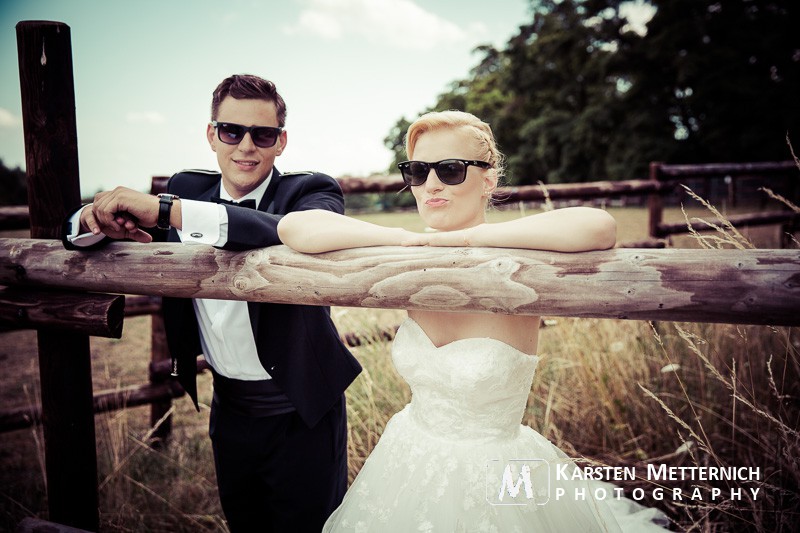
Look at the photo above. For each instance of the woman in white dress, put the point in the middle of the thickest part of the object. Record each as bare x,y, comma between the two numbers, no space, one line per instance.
440,459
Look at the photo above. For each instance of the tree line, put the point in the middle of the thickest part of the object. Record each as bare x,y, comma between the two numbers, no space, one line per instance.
578,95
13,185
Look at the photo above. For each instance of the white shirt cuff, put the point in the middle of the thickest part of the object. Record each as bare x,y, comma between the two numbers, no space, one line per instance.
84,239
203,223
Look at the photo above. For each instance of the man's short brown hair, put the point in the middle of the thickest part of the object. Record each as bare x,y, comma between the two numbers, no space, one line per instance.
243,86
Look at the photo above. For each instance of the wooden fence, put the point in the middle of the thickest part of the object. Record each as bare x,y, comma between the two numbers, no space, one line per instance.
730,286
664,180
753,286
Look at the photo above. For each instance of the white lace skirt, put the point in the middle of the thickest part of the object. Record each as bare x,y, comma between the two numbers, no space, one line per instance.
418,482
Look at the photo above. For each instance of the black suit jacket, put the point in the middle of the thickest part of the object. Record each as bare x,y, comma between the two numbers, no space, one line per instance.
297,344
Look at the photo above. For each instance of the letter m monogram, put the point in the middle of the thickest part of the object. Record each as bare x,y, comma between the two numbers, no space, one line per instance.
511,487
514,475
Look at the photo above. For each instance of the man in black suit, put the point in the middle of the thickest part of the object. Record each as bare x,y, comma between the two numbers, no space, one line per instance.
278,423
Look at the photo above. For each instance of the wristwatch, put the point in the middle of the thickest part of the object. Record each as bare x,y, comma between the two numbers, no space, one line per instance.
164,209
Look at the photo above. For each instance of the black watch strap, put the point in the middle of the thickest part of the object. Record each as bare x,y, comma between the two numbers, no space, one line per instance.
164,209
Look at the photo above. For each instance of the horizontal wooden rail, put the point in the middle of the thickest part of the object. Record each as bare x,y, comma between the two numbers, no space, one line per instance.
525,193
110,400
738,221
581,191
138,305
98,315
136,395
376,183
14,217
162,387
733,286
710,170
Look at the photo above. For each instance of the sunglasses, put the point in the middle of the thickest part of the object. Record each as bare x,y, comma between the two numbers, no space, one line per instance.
263,136
449,171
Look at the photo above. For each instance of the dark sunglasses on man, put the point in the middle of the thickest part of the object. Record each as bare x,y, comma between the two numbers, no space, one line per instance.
262,136
449,171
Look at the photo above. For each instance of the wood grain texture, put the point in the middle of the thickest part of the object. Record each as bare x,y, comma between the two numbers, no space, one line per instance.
731,286
51,162
98,315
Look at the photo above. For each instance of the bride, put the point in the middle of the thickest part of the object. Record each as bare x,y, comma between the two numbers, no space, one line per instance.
470,373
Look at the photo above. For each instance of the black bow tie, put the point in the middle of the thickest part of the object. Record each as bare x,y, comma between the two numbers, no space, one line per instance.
244,203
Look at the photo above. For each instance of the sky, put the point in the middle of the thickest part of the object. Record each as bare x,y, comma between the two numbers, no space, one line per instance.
348,69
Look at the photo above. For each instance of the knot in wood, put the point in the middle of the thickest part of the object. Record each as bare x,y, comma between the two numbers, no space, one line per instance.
636,259
256,257
241,283
504,265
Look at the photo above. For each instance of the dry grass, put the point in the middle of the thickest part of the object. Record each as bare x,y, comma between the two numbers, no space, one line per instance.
601,392
631,393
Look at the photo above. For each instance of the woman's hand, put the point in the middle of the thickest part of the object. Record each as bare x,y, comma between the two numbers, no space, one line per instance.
441,238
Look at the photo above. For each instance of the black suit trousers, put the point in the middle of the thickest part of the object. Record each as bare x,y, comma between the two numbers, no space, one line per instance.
274,473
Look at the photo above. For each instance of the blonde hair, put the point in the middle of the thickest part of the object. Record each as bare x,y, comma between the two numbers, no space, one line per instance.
438,120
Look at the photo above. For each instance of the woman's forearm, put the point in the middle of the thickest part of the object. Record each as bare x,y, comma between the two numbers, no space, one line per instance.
571,229
317,231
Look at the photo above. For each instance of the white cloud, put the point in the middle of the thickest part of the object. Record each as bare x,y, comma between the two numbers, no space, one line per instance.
397,23
320,23
146,117
7,119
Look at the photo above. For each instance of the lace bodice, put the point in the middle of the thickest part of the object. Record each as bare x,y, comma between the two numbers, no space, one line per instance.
469,389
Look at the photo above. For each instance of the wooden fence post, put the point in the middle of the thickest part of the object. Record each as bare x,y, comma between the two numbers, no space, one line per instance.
51,158
159,352
655,204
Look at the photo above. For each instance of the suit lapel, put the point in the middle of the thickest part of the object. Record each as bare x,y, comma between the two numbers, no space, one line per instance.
213,191
267,205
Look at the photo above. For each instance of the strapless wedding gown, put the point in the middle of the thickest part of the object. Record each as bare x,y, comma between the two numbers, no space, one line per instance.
440,462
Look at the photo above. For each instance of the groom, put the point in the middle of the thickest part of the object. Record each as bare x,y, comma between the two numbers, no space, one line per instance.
278,423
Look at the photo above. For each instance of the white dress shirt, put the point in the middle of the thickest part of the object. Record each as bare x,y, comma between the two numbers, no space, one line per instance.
226,335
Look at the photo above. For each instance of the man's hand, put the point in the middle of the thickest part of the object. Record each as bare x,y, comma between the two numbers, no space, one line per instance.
121,213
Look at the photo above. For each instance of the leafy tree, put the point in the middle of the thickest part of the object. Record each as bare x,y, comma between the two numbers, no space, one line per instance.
725,74
576,95
395,142
13,186
559,114
479,95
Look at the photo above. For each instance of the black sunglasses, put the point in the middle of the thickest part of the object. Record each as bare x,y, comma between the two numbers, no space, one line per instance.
263,136
449,171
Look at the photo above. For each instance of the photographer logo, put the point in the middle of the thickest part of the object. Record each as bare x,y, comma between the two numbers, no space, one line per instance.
517,482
